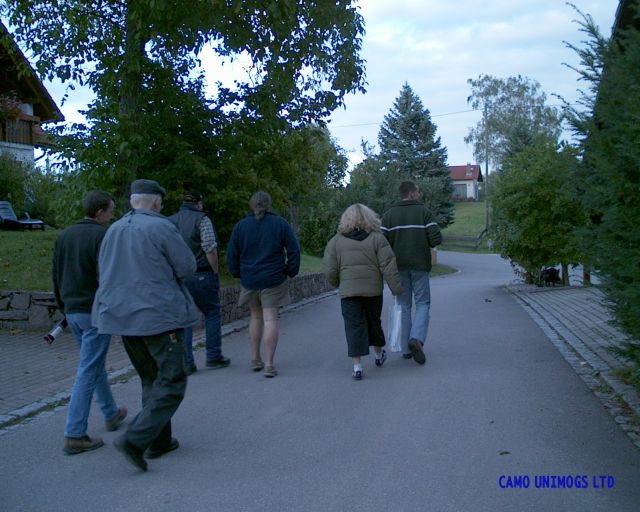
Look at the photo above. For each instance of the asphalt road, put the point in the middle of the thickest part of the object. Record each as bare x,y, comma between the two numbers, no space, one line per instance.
495,400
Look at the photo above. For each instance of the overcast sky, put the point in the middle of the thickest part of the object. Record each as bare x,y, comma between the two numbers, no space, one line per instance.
436,46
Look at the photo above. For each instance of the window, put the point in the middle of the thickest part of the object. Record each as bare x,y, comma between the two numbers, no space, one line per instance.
460,190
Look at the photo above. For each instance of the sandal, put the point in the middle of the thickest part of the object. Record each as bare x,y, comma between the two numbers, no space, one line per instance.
256,365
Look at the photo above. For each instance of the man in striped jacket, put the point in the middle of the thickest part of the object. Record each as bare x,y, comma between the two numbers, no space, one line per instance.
412,231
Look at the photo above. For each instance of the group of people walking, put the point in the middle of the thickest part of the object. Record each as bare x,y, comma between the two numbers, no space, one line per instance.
148,278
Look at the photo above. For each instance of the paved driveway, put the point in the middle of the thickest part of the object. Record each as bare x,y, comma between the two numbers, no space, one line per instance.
495,405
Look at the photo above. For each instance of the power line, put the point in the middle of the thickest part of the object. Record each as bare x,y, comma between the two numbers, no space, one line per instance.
374,124
433,115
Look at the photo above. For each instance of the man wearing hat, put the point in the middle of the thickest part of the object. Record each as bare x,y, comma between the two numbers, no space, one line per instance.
198,232
143,263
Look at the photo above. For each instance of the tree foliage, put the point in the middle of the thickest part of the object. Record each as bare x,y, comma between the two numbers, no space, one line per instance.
611,168
13,174
153,116
534,207
515,114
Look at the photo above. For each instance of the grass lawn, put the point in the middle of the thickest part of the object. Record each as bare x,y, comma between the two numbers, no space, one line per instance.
25,261
470,219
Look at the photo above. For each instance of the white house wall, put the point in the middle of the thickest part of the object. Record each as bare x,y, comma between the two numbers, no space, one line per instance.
471,188
22,152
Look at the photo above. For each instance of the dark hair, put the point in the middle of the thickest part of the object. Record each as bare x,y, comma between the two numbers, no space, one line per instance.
94,201
406,187
260,203
193,196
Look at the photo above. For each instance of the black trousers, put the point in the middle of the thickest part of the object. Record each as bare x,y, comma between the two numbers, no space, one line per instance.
362,325
160,362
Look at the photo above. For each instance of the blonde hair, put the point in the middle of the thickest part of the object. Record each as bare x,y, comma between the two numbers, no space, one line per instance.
359,216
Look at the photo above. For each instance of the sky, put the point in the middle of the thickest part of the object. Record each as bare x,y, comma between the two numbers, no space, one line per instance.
436,46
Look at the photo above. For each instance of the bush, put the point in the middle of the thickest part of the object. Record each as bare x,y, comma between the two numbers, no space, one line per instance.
13,175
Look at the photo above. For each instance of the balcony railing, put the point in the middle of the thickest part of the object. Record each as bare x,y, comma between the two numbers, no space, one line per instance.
18,131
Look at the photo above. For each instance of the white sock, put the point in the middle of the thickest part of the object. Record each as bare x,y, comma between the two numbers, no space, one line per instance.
357,367
379,355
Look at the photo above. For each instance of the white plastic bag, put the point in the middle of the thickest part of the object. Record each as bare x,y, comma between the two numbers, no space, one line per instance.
395,327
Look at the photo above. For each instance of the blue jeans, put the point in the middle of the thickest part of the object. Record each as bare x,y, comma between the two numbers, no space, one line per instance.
91,376
415,287
204,287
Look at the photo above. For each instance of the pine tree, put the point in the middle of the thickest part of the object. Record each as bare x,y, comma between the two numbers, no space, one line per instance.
410,150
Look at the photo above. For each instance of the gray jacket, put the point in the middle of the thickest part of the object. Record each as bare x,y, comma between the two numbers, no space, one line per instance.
142,264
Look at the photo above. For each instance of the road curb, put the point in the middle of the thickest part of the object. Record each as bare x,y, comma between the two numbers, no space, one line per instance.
19,416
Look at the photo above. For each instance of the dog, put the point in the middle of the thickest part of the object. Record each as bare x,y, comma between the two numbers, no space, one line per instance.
550,276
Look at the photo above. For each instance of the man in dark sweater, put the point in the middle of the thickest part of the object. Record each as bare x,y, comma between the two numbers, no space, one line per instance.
412,231
75,281
264,253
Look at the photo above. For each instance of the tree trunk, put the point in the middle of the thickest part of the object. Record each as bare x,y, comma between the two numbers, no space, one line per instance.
128,105
586,276
565,274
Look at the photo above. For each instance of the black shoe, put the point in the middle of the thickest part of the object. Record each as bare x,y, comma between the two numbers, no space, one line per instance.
154,454
221,362
130,452
407,356
416,351
191,368
383,357
357,375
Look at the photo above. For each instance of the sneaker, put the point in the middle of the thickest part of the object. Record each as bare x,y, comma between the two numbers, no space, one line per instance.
270,371
383,357
154,454
256,365
131,453
116,421
416,351
407,356
75,445
221,362
191,368
357,375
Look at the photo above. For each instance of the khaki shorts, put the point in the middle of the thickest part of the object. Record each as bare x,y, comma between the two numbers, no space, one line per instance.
267,297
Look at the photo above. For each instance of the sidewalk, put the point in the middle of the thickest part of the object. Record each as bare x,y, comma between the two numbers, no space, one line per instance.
35,376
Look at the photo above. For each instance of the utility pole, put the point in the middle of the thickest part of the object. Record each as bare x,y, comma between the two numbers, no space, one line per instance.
486,165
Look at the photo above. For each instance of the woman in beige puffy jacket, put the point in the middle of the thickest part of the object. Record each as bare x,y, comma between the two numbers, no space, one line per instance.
358,259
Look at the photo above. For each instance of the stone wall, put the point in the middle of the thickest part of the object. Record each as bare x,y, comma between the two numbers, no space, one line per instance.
38,310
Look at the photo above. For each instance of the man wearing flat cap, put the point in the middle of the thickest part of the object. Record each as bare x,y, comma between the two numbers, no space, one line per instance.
143,263
199,234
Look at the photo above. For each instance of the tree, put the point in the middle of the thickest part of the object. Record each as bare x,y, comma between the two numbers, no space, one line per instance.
514,116
137,55
410,150
534,208
318,206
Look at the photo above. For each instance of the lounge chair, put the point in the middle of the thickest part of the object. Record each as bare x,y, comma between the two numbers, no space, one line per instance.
8,219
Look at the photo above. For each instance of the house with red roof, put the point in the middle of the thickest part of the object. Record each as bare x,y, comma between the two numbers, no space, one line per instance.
465,182
25,103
